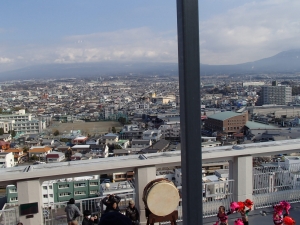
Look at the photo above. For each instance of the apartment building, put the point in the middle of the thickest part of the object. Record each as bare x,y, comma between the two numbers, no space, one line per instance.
278,95
62,190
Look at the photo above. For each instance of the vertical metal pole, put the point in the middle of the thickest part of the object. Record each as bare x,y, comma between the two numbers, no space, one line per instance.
190,113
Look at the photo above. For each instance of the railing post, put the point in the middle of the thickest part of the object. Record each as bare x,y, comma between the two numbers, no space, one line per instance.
242,173
142,177
29,192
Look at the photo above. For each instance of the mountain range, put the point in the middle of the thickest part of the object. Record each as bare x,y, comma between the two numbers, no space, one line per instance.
283,62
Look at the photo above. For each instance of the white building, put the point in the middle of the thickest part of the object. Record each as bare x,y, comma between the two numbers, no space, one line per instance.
153,135
6,159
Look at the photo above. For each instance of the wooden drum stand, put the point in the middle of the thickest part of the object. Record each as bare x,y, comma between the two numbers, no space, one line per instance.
161,199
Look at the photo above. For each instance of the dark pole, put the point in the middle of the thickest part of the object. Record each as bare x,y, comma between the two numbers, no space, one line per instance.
190,113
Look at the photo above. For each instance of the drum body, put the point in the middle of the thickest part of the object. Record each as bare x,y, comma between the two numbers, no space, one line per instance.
161,197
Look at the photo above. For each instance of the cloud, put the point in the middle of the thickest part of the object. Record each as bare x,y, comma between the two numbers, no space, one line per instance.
138,44
5,60
250,32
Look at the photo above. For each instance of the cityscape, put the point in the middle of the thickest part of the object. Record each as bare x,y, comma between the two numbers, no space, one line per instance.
113,118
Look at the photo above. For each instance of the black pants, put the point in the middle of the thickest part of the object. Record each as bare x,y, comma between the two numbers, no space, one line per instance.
246,222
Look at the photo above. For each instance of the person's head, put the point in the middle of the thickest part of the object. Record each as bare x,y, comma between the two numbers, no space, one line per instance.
131,203
87,214
221,209
19,223
111,198
72,201
114,205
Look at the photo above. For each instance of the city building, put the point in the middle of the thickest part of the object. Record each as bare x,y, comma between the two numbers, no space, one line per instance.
226,122
6,159
62,190
276,95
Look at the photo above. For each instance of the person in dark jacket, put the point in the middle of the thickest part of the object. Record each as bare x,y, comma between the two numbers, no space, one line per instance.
133,213
88,218
111,202
114,218
72,212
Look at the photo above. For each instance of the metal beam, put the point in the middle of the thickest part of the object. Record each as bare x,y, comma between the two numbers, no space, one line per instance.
190,113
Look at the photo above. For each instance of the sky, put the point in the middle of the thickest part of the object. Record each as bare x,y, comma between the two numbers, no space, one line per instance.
34,32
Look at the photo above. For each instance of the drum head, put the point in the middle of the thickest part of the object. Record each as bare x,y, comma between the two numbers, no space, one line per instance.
162,198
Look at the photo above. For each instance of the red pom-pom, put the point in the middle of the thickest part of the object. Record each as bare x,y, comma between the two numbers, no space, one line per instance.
234,206
288,221
238,222
241,206
248,203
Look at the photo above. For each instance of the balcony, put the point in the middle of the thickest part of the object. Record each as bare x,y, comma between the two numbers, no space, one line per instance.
265,185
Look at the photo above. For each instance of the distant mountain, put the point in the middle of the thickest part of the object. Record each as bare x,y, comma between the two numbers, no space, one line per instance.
89,70
284,62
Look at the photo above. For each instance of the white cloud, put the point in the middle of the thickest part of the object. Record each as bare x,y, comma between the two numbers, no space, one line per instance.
138,44
250,32
5,60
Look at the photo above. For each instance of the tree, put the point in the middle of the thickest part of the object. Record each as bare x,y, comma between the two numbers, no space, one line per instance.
12,132
117,147
122,120
113,129
25,149
56,133
68,154
1,131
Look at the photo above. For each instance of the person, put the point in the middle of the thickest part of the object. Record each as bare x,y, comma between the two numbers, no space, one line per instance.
244,214
114,218
133,213
72,212
222,216
111,202
278,214
88,218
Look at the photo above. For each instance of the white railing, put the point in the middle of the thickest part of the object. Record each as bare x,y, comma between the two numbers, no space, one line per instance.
56,215
214,194
9,216
272,184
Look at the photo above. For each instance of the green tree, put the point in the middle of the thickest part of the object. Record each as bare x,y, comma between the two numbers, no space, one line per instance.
68,154
113,129
1,131
64,140
56,133
25,149
117,147
12,132
122,120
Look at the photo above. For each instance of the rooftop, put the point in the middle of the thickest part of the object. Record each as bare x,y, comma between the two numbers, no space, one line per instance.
254,125
224,115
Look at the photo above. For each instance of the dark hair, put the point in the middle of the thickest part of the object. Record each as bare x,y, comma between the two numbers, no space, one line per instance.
19,223
72,201
87,212
222,207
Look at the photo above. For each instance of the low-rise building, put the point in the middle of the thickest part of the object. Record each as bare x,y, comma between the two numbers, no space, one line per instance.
55,157
6,159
